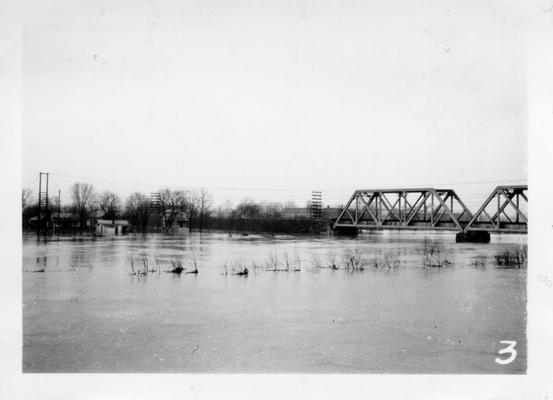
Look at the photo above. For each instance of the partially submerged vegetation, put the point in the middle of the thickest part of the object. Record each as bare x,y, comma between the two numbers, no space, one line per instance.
479,261
194,264
176,267
236,267
349,260
316,262
332,260
387,261
432,255
142,265
272,263
511,258
291,263
284,263
297,262
516,258
352,260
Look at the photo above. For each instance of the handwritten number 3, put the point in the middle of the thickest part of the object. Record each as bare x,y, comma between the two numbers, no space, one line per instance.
509,349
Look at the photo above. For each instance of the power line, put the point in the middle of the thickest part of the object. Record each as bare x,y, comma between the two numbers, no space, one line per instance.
326,189
472,192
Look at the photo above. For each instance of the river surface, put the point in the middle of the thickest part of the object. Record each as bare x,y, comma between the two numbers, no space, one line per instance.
85,312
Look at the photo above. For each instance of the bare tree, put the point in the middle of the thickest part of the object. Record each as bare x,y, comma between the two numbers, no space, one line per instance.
226,210
26,194
227,207
84,197
110,204
290,204
248,209
137,210
204,205
191,206
171,204
271,209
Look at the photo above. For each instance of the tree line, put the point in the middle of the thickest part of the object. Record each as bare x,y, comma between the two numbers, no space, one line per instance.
136,208
162,214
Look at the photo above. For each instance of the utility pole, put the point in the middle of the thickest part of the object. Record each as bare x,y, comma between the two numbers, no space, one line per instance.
43,215
39,216
59,209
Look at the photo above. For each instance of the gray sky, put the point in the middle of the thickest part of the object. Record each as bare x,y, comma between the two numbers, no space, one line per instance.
273,101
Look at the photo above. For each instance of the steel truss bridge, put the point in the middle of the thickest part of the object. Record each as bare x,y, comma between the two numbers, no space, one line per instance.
505,210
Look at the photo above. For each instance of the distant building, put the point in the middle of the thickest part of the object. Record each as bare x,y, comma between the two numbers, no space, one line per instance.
66,221
295,212
181,220
331,212
106,227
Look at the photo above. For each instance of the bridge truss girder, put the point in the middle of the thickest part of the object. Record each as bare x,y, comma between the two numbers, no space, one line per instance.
512,198
422,208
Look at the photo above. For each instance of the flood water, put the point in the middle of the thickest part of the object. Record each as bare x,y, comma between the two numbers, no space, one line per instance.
85,312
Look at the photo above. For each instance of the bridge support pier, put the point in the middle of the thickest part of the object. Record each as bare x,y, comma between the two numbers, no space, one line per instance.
346,231
473,237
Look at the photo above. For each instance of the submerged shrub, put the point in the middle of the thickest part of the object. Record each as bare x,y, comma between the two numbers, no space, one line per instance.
272,261
287,261
387,261
515,258
479,261
244,272
332,260
141,265
352,260
194,260
432,255
236,267
176,266
297,262
316,261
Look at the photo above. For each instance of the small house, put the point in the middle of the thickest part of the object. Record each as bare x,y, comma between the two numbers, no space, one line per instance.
66,220
106,227
181,220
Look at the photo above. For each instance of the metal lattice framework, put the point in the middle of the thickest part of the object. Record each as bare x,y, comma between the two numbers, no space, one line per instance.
43,202
423,208
316,204
154,206
509,206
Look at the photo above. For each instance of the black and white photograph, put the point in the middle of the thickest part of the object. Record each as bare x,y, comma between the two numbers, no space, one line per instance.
278,189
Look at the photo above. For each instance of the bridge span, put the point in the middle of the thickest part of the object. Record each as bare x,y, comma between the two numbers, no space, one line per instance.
505,211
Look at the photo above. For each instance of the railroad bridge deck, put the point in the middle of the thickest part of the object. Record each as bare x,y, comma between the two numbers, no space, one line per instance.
437,209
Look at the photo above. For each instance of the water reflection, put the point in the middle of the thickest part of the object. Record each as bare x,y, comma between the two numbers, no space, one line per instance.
41,263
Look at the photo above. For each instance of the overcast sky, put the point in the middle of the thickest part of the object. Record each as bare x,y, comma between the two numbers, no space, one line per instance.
248,99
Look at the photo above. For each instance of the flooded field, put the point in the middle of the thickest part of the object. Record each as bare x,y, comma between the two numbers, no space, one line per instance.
381,311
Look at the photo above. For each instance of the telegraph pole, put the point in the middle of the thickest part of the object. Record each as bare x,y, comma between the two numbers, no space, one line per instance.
59,209
39,220
43,215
